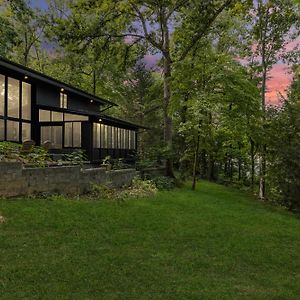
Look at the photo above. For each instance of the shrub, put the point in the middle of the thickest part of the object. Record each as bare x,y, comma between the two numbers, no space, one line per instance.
163,182
9,151
39,156
139,189
119,163
76,158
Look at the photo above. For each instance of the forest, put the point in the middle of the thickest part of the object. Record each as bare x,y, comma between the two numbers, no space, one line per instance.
196,73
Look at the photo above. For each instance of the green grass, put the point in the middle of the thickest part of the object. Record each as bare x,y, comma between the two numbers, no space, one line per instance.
215,243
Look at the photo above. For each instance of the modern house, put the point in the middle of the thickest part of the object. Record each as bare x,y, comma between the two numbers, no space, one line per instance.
37,107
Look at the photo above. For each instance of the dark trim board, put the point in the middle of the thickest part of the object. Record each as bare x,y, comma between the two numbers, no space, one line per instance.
79,115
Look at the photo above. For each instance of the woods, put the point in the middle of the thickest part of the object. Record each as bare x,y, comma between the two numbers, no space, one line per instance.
195,72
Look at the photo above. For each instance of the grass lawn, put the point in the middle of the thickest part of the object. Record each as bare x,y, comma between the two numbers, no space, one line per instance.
215,243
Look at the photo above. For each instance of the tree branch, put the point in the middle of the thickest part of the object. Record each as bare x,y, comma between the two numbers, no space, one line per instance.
200,34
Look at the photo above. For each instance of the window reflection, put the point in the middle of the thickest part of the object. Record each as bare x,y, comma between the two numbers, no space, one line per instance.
26,131
13,100
26,101
2,130
2,94
12,131
72,134
52,134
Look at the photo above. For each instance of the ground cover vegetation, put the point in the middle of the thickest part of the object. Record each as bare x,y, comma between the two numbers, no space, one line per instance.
211,243
195,72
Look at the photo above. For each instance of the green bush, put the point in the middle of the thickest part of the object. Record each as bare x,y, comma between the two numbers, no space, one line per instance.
75,158
139,189
163,182
9,151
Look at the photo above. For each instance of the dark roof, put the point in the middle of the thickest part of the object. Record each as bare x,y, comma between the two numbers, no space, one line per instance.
121,122
98,115
47,79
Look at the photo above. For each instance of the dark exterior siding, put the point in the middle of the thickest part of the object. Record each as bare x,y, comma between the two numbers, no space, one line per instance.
47,95
82,105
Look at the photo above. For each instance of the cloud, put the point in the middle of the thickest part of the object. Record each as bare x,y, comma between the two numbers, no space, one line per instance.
280,78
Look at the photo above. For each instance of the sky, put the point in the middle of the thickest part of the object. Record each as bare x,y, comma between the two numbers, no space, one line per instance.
280,76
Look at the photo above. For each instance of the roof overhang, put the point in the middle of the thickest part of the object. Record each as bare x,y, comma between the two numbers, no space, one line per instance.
32,74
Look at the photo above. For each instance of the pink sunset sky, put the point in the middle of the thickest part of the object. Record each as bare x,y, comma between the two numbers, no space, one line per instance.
279,78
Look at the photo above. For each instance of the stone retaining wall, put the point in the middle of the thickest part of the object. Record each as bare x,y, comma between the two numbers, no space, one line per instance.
18,181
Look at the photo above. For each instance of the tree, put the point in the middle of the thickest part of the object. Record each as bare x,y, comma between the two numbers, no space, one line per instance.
284,149
149,23
222,99
272,23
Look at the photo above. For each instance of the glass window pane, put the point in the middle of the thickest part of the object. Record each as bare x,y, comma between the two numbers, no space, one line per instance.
61,100
102,136
132,139
76,134
2,94
44,115
26,101
45,134
1,130
119,138
52,134
57,116
68,135
13,98
129,139
123,138
72,117
113,137
106,136
12,131
65,101
126,139
56,137
26,131
96,135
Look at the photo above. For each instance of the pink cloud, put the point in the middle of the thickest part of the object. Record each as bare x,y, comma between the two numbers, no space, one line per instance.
280,78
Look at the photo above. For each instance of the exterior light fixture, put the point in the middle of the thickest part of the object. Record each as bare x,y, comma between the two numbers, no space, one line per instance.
100,120
25,77
91,101
62,89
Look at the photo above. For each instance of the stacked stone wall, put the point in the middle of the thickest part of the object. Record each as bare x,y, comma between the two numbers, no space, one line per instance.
15,180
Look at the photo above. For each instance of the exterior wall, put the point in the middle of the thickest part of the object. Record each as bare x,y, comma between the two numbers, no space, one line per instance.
18,181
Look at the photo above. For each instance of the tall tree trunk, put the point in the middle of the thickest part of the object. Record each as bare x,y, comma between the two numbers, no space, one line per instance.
262,183
252,154
263,19
168,124
196,161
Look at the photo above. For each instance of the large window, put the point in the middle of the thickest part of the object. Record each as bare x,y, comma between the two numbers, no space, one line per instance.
13,103
96,135
53,134
2,94
15,109
12,131
26,101
110,137
72,134
55,116
2,136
